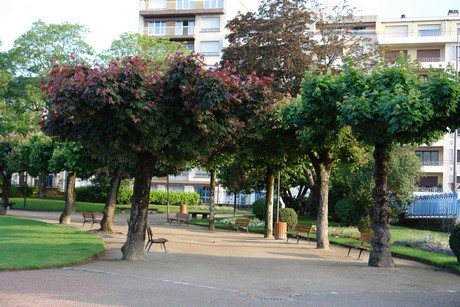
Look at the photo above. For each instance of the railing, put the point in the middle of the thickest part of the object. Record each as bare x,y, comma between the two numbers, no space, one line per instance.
434,206
420,33
170,31
432,163
431,59
153,5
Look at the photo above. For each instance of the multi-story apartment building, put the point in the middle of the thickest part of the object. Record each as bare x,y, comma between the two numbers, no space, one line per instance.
198,24
434,42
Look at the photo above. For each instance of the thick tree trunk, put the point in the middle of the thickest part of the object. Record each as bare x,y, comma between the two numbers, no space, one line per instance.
270,177
322,162
69,204
42,185
6,187
212,200
380,213
111,202
133,249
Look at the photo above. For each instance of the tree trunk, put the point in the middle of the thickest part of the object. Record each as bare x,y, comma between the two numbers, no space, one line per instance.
380,212
6,188
111,202
234,204
322,162
212,200
42,185
133,249
69,204
270,177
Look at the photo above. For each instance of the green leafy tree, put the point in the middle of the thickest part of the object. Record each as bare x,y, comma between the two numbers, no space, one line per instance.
72,158
41,151
391,105
146,47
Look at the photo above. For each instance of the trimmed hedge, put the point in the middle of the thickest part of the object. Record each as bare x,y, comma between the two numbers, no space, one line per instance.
160,197
289,216
454,241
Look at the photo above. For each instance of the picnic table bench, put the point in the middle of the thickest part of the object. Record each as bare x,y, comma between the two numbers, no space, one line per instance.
10,205
301,232
180,218
364,238
241,224
195,213
90,217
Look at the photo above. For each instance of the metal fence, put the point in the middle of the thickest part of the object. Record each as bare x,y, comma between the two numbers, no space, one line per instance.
435,206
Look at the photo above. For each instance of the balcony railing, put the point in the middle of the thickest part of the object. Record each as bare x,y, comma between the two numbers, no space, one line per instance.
153,5
420,33
170,31
432,163
431,59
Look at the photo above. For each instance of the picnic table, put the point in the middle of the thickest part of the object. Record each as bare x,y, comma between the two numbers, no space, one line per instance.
195,213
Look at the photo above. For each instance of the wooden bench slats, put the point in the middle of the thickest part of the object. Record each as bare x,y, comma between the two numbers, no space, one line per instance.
364,238
301,232
180,218
90,217
241,224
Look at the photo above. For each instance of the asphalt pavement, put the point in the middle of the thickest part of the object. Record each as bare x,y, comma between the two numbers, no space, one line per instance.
222,268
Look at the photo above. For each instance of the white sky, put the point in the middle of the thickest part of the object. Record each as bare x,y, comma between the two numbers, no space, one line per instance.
107,19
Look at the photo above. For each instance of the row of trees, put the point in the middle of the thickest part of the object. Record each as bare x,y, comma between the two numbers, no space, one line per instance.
136,118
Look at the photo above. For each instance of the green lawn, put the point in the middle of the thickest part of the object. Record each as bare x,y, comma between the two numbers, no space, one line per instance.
29,244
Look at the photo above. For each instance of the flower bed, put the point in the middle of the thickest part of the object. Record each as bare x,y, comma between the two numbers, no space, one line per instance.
428,243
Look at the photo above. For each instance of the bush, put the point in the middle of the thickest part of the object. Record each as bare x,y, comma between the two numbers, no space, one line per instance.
18,191
454,241
289,216
259,209
91,193
364,225
161,198
345,211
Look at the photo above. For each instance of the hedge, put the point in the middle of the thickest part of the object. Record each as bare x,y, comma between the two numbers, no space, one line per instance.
160,197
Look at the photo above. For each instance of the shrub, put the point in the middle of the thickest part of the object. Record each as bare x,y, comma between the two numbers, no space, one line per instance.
454,241
18,191
259,209
364,225
91,193
289,216
161,197
345,211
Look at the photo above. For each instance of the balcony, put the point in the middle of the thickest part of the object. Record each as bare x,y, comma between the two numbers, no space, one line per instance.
417,37
184,32
168,8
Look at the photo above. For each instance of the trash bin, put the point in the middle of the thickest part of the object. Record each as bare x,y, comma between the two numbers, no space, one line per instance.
183,208
280,230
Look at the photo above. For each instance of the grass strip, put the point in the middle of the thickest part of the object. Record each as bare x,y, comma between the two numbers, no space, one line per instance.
30,244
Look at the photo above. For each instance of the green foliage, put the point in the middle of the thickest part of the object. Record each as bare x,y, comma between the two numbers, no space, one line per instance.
160,197
289,216
345,211
364,224
454,241
18,191
91,193
259,209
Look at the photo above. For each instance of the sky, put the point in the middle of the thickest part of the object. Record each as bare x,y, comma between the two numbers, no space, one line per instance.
107,19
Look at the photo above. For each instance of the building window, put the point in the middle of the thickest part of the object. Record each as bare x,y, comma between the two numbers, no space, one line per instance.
429,181
210,48
428,158
213,4
184,4
186,27
396,31
429,55
393,54
429,30
210,24
157,28
188,45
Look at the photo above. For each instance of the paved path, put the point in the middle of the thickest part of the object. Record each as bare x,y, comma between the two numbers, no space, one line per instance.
203,268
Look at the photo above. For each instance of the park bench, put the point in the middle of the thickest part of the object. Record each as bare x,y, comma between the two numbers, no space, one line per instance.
203,214
241,224
10,205
151,240
90,217
301,232
364,238
180,218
